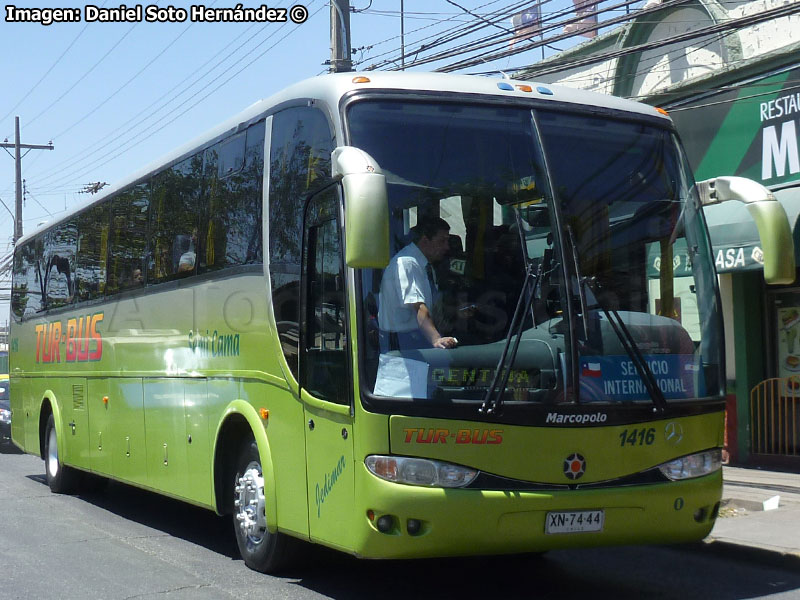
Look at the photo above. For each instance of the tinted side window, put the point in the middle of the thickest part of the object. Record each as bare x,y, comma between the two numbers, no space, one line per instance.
300,154
92,252
30,280
230,155
173,221
19,291
24,287
128,240
231,231
58,264
325,329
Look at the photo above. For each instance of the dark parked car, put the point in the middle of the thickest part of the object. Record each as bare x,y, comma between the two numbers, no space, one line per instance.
5,413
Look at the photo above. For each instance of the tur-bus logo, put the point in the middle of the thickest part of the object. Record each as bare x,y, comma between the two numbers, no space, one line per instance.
79,339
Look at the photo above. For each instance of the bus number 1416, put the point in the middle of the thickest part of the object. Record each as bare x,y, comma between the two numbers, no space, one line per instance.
637,437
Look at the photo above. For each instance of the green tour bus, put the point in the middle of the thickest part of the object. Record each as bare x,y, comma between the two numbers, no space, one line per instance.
211,328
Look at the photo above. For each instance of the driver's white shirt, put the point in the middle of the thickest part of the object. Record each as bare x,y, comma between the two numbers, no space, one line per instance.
404,283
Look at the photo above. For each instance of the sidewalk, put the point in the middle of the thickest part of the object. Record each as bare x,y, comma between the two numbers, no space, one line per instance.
744,523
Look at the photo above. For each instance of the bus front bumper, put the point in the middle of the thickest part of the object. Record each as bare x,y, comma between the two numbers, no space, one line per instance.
428,522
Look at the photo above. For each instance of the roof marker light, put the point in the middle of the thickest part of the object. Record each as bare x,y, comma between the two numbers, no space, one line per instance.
505,86
524,88
543,90
361,79
662,111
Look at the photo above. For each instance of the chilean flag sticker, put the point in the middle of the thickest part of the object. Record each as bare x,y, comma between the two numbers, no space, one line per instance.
591,369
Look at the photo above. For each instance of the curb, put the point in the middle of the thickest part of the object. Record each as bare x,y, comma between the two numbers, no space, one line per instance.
741,551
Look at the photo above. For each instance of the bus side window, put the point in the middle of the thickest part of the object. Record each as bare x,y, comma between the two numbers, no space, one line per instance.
128,239
26,296
90,270
324,362
173,221
300,153
19,291
58,264
230,234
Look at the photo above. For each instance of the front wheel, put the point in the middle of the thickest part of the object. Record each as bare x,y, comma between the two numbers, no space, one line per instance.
261,550
60,478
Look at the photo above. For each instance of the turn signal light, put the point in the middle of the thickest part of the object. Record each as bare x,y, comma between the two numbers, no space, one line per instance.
361,79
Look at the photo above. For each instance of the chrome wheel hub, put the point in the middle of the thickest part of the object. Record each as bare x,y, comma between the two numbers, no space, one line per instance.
249,503
52,453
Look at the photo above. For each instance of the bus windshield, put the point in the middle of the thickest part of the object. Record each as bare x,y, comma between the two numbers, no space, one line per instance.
598,212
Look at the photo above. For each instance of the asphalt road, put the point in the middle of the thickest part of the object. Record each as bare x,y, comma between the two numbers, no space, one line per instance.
123,543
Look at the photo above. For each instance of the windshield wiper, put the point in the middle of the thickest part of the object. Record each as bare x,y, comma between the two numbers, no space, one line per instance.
581,294
628,343
493,401
617,324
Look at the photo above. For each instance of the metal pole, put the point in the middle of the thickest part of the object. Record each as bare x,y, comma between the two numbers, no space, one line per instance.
402,38
18,174
18,146
340,36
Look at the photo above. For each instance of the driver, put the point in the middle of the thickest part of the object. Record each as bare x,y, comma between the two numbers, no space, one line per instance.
409,290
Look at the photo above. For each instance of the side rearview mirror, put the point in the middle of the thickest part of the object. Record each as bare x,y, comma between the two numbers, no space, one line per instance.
770,217
366,208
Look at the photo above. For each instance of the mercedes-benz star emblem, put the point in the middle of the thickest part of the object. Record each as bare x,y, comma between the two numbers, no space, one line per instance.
673,432
574,466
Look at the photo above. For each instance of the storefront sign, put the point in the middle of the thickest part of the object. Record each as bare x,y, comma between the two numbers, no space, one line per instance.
750,130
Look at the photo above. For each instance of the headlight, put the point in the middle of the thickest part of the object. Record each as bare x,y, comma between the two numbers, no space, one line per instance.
5,415
694,465
420,471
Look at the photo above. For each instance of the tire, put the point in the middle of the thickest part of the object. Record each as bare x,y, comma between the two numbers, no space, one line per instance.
61,478
261,550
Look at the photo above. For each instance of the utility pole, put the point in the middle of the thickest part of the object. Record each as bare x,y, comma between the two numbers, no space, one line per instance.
18,168
340,36
402,38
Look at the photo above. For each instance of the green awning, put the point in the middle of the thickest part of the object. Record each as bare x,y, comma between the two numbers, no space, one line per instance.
734,236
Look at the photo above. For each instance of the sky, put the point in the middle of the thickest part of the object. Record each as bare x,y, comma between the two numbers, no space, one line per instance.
113,97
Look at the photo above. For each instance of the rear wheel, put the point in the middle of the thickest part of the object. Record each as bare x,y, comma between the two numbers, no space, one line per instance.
261,550
60,478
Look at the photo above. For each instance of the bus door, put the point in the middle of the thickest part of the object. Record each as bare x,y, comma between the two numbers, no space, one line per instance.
324,373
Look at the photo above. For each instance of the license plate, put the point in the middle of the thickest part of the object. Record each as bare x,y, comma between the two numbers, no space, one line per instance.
578,521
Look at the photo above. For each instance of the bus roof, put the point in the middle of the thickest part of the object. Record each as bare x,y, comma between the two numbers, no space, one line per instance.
330,88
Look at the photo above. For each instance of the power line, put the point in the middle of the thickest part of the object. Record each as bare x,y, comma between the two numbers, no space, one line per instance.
130,143
648,69
113,138
84,76
127,83
456,32
736,23
413,31
42,78
466,63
